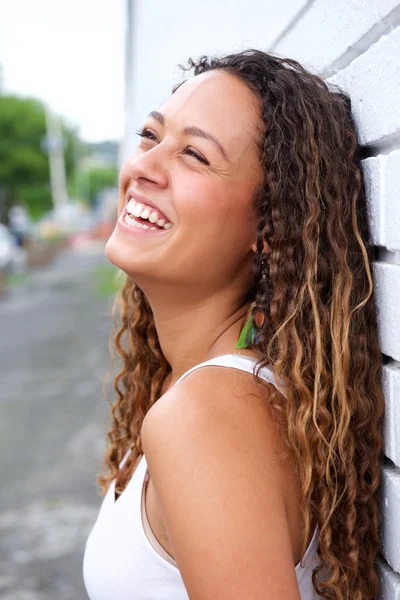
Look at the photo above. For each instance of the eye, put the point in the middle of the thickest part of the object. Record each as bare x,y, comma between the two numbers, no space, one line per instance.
199,158
146,133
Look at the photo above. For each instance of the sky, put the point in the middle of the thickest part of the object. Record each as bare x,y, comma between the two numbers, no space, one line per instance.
69,53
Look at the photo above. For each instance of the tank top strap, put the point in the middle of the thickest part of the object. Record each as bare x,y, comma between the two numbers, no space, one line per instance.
235,361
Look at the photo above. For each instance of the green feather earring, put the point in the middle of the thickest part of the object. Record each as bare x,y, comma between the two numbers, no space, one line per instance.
246,336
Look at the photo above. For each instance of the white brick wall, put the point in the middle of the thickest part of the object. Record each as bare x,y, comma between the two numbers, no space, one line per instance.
391,388
356,44
330,34
382,181
373,81
389,583
390,493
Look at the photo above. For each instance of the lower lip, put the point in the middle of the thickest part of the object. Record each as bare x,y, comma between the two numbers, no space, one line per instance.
132,230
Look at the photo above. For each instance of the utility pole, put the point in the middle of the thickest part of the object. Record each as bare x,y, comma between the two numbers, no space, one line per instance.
126,143
55,148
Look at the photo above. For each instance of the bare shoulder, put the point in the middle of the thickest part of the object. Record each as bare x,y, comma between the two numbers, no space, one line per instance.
212,449
213,403
229,383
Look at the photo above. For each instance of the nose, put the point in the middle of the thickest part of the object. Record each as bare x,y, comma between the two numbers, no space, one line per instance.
148,167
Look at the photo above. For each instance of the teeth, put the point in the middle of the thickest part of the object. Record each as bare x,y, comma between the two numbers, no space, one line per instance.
137,210
129,221
145,213
131,206
133,223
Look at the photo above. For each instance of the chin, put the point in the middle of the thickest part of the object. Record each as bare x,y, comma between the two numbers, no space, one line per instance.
115,252
122,256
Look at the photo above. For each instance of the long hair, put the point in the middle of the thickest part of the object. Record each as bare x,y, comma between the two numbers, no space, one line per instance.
318,329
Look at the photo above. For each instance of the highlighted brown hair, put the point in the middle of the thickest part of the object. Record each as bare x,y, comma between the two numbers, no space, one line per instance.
319,330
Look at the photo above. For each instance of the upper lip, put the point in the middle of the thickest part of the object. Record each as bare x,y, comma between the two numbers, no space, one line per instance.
144,200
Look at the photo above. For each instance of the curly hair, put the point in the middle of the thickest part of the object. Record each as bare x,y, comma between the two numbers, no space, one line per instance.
318,329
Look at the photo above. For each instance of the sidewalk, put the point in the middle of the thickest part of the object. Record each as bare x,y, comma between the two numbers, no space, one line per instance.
54,356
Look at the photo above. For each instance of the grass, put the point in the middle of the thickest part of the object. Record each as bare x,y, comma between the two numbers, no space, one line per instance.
105,281
16,278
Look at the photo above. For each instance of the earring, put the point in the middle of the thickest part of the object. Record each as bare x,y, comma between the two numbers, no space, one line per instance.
263,267
258,316
248,334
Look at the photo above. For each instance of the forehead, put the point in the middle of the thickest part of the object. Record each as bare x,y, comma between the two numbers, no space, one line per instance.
222,105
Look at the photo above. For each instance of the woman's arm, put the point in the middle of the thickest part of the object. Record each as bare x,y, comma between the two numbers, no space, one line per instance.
211,449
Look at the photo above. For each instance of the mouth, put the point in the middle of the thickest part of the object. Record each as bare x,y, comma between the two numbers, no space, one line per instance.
138,200
143,216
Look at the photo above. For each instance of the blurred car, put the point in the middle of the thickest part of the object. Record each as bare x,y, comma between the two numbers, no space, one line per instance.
65,220
9,250
21,225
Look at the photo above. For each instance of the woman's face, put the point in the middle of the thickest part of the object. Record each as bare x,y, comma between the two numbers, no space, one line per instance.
200,187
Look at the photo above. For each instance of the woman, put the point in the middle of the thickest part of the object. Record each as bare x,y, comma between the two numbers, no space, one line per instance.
243,233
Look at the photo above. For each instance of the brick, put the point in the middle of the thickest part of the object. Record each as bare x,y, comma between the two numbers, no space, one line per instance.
387,289
373,82
330,30
390,516
373,171
389,582
382,184
391,390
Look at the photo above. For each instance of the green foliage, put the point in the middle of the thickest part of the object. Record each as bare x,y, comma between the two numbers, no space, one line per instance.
35,197
22,127
88,183
24,164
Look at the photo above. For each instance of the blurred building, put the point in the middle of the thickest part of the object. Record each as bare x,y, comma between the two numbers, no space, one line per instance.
100,155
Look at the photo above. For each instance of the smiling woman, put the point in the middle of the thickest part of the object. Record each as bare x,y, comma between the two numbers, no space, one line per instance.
242,225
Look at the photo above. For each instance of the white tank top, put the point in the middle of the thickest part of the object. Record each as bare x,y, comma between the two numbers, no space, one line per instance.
123,559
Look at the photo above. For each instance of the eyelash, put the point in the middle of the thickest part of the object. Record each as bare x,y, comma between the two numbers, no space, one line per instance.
145,133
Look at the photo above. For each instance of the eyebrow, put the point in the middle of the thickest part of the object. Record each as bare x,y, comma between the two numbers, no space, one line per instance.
192,130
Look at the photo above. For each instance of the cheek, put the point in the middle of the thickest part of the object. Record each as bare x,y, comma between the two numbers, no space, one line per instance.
221,218
124,180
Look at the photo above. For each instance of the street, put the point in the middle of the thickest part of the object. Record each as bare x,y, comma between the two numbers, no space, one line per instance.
53,420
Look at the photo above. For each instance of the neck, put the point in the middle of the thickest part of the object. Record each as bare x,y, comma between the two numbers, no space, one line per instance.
192,330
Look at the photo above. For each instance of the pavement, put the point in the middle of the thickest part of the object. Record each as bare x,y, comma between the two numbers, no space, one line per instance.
53,420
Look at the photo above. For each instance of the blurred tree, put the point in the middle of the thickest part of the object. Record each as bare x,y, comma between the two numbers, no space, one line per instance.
24,167
88,183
